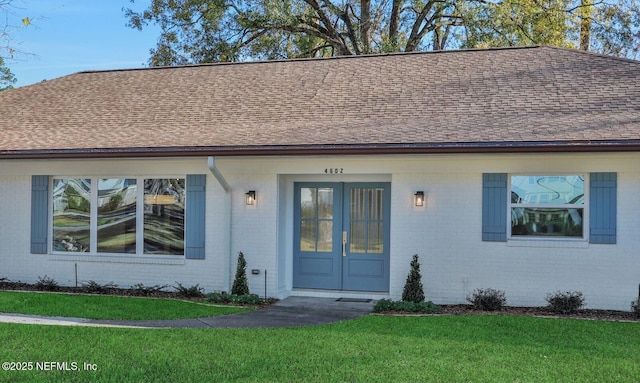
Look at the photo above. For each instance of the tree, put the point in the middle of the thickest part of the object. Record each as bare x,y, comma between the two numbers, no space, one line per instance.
197,31
413,290
218,30
7,47
240,283
7,79
604,26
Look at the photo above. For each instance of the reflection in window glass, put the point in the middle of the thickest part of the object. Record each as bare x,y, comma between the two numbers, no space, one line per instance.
316,219
547,205
117,215
164,216
71,214
367,221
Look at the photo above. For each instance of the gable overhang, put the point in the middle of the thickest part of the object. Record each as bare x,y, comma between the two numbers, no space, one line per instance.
332,149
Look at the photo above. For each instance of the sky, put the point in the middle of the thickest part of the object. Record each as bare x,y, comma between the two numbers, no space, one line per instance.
69,36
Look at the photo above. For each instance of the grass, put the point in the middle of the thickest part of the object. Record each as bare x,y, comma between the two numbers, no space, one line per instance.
106,307
369,349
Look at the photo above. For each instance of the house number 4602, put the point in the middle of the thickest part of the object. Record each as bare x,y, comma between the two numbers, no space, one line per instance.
333,170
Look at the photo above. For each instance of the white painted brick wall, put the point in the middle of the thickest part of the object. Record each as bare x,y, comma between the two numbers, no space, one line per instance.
446,233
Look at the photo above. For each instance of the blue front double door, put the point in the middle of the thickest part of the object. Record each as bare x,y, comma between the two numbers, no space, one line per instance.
341,236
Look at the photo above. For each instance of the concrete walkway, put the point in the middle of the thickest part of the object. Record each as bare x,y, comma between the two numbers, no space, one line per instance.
289,312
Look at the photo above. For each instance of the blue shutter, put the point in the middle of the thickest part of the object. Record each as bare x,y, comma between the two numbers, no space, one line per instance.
494,207
195,216
602,207
39,214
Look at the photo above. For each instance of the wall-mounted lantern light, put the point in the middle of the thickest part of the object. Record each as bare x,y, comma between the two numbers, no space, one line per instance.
250,197
419,198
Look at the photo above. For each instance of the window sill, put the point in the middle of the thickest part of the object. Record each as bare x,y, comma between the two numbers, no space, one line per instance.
125,258
548,243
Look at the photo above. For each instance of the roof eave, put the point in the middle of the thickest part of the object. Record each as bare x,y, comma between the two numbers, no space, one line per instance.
329,149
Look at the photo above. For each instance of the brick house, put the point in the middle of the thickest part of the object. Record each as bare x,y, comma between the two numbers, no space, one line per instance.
515,169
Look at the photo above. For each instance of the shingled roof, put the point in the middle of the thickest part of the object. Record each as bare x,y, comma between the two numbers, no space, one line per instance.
514,99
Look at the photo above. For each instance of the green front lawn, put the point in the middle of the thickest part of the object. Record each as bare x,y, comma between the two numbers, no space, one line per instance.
369,349
107,307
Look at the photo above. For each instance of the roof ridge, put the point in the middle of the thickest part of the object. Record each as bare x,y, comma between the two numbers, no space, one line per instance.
305,59
591,53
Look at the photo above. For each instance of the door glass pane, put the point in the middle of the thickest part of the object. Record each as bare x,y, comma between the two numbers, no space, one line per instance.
117,215
367,220
316,219
164,201
357,240
308,235
325,203
375,204
308,203
325,235
376,239
71,214
358,201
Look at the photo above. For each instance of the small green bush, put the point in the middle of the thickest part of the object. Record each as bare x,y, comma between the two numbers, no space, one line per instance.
46,284
635,307
226,298
93,287
567,302
487,299
413,290
387,305
189,292
141,289
240,283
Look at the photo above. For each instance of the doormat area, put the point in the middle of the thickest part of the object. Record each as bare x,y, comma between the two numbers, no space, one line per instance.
354,300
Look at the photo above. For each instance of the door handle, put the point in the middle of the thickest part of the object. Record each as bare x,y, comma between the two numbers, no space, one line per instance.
344,243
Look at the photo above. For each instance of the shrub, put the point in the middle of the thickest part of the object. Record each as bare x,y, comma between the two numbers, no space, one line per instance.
224,297
413,290
189,292
567,302
141,289
387,305
219,297
487,299
94,287
46,284
635,307
246,299
240,284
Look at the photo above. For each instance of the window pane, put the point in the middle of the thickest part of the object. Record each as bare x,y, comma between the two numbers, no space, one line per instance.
308,235
357,240
546,222
376,238
554,190
308,197
325,203
71,214
164,216
325,235
117,215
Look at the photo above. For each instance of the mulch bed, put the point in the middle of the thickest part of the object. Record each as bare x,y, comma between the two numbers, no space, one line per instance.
610,315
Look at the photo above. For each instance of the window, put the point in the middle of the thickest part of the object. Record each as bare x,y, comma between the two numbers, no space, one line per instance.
112,215
547,206
544,206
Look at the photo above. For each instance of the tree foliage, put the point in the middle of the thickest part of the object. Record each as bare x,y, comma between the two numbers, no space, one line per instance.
196,31
7,79
218,30
240,284
8,48
413,290
604,26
